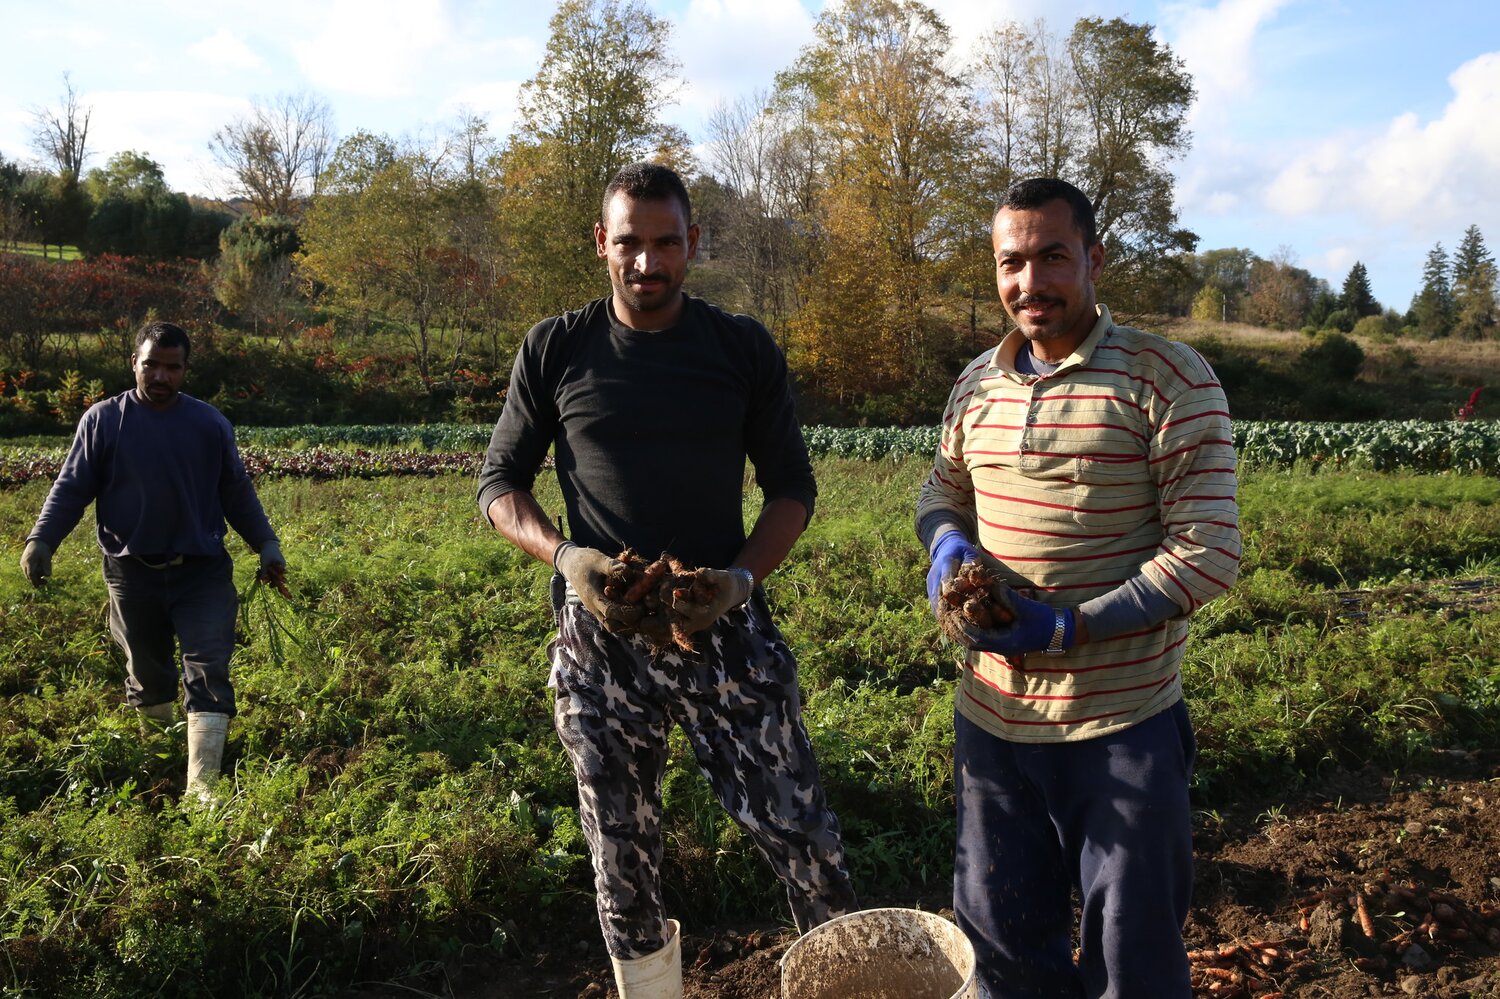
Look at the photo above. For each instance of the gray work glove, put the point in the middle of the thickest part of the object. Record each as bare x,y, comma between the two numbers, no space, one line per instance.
731,588
36,561
587,570
273,567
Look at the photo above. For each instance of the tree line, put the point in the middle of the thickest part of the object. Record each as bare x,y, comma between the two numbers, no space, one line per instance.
847,206
1458,296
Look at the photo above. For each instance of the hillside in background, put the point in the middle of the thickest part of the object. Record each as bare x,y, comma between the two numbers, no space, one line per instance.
314,377
1287,375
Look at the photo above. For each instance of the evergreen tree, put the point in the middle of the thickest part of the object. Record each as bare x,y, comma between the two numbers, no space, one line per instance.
1474,304
1432,308
1357,299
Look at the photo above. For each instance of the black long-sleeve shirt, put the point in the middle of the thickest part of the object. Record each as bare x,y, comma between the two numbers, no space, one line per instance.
651,430
164,481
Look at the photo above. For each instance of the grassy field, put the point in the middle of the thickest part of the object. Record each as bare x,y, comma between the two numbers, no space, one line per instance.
398,794
37,250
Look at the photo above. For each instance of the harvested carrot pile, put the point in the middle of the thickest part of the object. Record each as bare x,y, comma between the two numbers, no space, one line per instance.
1393,917
975,596
1259,968
654,598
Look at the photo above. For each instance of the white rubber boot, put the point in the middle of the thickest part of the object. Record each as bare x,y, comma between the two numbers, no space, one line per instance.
206,733
155,718
655,976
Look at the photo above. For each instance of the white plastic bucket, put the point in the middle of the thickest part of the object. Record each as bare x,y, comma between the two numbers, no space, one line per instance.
880,954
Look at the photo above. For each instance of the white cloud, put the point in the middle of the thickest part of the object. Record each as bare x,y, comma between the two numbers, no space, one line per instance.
171,127
226,50
377,48
731,48
494,102
1335,260
1434,170
1217,46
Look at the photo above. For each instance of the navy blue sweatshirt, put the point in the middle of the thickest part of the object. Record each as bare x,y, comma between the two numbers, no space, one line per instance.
164,482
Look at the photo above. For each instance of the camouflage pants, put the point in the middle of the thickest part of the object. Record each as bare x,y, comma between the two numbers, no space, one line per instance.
737,701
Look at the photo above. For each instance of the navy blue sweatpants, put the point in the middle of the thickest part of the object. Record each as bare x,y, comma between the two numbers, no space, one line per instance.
1108,817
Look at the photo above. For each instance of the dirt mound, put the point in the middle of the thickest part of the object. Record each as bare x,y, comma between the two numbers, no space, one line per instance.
1279,889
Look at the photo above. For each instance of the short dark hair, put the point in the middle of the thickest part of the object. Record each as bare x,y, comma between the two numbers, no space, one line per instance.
648,181
1028,195
164,335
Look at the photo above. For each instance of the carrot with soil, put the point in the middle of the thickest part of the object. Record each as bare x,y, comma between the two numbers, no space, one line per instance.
974,597
658,598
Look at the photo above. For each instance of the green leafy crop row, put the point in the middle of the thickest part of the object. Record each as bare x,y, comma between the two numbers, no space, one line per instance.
428,449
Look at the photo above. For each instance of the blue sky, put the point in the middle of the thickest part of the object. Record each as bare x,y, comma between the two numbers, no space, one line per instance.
1329,131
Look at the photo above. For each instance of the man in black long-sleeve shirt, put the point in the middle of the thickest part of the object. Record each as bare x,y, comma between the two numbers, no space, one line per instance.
652,402
164,474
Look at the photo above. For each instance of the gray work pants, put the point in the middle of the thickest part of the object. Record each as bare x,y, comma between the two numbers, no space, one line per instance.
152,610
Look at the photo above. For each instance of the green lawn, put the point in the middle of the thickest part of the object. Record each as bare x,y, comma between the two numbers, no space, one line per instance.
37,250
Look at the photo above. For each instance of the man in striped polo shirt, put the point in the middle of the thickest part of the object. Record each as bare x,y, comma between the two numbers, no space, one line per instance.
1092,465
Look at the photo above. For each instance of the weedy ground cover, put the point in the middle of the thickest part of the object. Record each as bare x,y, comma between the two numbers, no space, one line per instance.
398,796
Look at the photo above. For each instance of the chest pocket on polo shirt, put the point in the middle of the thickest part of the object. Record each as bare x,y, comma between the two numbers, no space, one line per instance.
1113,491
1042,466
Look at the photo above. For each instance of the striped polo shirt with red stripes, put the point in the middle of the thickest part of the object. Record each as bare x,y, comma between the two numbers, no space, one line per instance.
1117,464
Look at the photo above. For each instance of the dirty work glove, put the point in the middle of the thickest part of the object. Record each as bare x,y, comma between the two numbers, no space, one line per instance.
36,561
732,588
1031,631
587,570
273,567
951,551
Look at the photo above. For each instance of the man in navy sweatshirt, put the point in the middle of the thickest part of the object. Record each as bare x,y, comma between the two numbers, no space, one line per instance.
165,475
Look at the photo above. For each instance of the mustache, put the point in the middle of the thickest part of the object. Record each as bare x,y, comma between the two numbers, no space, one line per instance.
1026,301
636,276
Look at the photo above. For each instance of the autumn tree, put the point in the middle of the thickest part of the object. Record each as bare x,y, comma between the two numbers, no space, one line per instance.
469,201
878,89
1209,305
1432,306
1226,270
596,103
756,160
392,235
1135,95
276,153
1474,292
1278,292
254,276
1104,108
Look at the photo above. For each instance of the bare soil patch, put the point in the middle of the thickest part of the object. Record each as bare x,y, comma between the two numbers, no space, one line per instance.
1280,878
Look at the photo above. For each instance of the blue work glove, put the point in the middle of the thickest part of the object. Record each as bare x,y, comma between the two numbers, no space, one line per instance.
1031,631
951,551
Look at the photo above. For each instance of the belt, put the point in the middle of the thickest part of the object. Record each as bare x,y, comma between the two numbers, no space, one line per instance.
159,561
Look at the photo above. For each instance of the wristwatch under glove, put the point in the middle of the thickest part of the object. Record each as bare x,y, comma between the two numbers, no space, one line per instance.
1037,627
732,589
